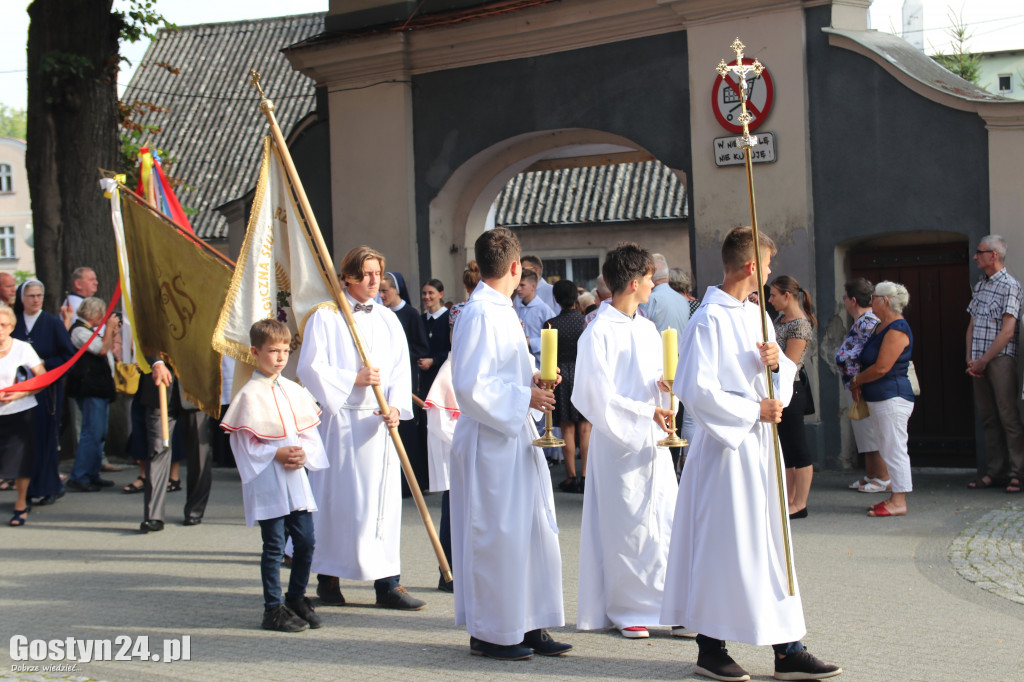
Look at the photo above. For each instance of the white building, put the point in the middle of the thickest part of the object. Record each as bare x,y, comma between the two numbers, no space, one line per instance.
15,209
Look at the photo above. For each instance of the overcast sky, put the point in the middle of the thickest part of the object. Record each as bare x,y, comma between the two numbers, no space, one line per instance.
994,24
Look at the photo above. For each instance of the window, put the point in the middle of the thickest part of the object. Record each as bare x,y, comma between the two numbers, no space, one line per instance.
6,178
7,242
582,271
1005,82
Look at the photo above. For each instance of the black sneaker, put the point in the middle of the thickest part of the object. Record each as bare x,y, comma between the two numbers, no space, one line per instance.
328,589
81,487
400,599
499,652
282,619
718,665
542,643
303,608
803,666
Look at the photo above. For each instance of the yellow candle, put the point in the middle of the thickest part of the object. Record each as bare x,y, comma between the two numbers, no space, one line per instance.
670,352
548,354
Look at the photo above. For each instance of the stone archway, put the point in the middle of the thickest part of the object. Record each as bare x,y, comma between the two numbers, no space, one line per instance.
461,210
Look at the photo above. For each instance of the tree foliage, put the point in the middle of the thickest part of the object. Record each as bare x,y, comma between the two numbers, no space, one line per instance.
960,61
12,122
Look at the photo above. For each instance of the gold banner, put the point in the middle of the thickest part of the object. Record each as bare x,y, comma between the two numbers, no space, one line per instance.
177,293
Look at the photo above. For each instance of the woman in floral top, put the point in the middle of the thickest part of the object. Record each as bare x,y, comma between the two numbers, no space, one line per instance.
794,330
857,300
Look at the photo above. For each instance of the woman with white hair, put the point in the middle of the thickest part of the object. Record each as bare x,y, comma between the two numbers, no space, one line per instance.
17,362
884,384
91,383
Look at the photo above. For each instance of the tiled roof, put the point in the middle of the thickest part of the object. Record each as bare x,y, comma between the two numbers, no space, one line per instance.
213,125
647,190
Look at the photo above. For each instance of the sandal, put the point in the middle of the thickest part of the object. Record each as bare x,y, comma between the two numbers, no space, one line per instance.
1013,485
875,485
136,486
173,485
19,517
881,510
6,484
981,483
568,485
859,483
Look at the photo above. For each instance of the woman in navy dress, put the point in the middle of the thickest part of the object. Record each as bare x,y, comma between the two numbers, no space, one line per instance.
435,320
50,340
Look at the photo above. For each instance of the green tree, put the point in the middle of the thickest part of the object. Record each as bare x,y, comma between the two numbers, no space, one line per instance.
960,61
12,122
72,131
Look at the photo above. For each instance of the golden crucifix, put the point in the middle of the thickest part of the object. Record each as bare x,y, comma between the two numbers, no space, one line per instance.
746,142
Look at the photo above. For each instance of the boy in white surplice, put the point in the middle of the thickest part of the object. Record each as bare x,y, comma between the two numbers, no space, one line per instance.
504,536
272,422
727,565
631,485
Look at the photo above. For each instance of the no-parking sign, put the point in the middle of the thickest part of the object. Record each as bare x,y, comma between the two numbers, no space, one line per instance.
725,99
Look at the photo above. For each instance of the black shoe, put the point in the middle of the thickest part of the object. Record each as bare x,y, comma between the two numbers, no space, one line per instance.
802,514
499,652
49,499
399,599
103,482
151,526
803,666
540,641
718,665
192,521
303,608
81,487
445,586
328,589
568,485
581,484
282,619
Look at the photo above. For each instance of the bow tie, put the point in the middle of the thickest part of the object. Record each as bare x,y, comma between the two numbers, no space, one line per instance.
368,307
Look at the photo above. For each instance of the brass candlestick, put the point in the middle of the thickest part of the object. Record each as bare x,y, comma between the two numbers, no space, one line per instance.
673,441
548,440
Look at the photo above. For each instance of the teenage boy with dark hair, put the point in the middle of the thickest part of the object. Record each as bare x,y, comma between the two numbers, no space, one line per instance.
727,575
504,537
631,486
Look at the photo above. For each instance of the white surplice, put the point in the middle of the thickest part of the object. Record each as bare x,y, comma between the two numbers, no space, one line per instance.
358,526
442,415
265,415
727,564
631,484
504,536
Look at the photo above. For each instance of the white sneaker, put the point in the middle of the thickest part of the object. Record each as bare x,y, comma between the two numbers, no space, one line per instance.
875,485
635,632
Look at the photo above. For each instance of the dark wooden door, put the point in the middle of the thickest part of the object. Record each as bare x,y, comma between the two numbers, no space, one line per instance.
937,276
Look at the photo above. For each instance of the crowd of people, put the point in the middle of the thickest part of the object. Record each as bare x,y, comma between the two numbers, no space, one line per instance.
661,543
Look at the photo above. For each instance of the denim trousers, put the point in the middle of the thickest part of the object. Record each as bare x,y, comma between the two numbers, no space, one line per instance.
299,525
89,455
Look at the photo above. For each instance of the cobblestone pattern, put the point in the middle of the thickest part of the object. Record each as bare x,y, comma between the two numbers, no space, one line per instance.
990,552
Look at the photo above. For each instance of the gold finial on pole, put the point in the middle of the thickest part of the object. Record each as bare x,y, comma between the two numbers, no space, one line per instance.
265,104
742,71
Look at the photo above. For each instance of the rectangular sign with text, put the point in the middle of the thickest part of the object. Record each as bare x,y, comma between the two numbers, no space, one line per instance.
728,151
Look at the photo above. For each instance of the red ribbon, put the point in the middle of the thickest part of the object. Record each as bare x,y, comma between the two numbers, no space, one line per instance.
47,378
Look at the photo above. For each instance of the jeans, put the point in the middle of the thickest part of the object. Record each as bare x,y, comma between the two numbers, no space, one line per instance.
385,585
89,456
300,527
707,644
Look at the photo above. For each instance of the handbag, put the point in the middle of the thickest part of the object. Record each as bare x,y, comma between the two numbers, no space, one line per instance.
126,378
805,382
915,385
859,410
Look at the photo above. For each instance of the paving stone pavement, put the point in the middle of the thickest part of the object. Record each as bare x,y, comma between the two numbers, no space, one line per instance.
884,598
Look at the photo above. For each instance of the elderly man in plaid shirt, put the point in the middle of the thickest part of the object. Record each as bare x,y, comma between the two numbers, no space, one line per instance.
992,361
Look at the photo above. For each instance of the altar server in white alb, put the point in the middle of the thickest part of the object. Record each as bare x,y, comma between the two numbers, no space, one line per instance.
272,422
508,586
631,484
727,565
358,527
